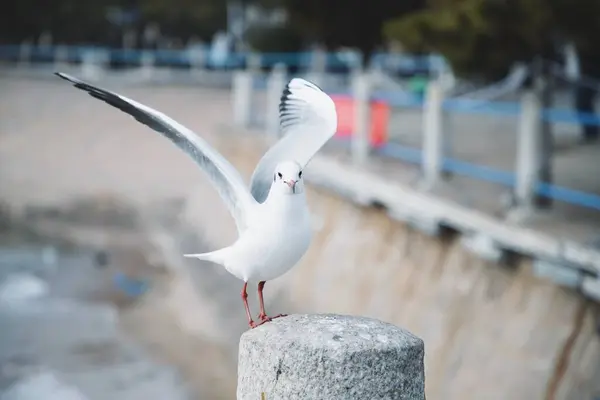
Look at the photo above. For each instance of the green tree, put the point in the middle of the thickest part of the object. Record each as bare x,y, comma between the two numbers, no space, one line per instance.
478,37
485,37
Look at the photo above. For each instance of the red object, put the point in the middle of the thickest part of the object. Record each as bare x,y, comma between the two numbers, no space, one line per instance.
380,115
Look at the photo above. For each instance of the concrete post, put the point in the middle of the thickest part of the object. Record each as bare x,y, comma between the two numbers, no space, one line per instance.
433,136
254,63
92,64
197,57
361,92
528,150
330,357
61,58
25,51
147,61
318,66
275,86
242,98
356,66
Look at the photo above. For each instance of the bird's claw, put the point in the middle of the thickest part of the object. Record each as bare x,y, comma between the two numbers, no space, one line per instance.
265,318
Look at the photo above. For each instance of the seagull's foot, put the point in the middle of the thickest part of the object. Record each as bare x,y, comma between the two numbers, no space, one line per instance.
263,321
265,318
252,324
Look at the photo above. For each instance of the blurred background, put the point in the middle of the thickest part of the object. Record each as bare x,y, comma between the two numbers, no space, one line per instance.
460,198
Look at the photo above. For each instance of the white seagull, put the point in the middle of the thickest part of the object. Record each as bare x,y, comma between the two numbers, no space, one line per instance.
272,216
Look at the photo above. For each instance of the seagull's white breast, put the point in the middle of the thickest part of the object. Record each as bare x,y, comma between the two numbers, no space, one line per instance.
278,235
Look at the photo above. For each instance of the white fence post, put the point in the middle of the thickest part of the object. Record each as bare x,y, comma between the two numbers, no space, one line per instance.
147,61
318,66
528,150
361,92
25,51
93,63
242,97
254,63
433,135
61,58
197,57
275,86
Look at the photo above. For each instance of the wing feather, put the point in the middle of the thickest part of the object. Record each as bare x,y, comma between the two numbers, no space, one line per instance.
224,177
308,119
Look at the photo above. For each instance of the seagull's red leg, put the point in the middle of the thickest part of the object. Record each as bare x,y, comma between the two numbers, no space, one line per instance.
263,315
251,323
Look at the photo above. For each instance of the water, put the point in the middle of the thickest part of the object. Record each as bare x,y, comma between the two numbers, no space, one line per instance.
60,331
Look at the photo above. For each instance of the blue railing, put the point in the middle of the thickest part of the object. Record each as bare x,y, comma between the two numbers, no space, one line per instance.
481,172
185,57
395,99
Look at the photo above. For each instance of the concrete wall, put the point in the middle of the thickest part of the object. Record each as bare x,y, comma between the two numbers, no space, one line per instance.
489,331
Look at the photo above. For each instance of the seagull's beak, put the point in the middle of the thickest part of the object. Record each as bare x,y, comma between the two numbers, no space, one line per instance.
291,183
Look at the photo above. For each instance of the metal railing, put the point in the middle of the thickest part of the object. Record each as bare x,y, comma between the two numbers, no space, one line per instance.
481,101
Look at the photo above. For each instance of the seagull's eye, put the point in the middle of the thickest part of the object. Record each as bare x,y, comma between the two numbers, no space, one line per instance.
280,175
300,174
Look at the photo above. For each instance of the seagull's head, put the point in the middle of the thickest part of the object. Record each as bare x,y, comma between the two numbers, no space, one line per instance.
287,178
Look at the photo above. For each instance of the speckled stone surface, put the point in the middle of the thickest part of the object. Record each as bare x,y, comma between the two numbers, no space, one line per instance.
330,357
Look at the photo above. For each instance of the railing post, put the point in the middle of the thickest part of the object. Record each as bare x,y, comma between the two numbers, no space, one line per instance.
61,57
433,135
92,64
197,57
361,93
528,150
25,51
318,66
147,61
254,63
275,86
242,97
330,357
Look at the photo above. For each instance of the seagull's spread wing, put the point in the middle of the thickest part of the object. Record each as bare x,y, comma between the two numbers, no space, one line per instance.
222,174
307,119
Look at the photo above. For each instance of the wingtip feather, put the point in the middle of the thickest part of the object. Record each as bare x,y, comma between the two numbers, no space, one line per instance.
301,94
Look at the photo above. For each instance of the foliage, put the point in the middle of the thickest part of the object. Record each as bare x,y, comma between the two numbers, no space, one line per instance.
480,37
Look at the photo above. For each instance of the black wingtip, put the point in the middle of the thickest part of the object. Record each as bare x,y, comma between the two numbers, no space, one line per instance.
284,97
287,91
66,77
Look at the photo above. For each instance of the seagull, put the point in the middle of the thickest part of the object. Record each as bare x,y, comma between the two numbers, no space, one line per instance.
271,214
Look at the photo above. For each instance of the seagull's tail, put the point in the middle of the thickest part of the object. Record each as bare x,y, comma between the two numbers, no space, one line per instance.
217,256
